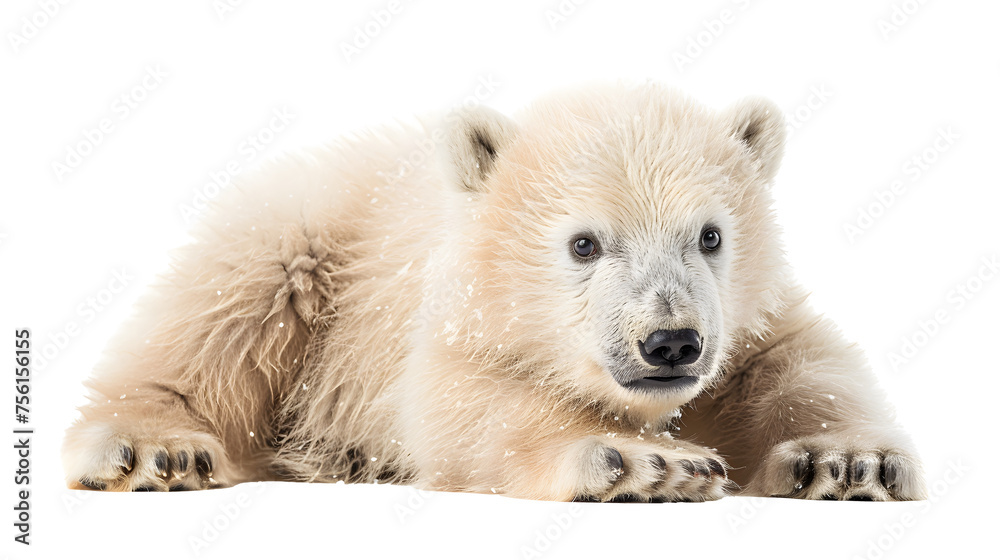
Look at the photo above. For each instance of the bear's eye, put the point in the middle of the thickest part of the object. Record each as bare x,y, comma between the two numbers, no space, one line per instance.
711,239
584,247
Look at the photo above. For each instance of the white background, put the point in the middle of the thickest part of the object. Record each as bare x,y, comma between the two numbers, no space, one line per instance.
884,96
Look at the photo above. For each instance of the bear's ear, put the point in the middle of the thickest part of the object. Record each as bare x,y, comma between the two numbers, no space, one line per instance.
475,140
758,123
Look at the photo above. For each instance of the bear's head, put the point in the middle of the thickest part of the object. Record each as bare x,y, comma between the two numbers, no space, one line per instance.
614,244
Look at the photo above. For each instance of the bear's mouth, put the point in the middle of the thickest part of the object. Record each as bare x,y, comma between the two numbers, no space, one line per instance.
662,383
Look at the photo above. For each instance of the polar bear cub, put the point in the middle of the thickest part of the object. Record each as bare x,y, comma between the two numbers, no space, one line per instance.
588,301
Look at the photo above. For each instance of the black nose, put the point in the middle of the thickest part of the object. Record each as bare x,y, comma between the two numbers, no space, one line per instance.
674,348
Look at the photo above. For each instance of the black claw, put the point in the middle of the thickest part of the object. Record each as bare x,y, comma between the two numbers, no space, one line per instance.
660,464
93,484
688,466
585,499
128,457
657,500
861,498
860,470
828,497
628,499
888,475
203,462
144,489
614,460
801,466
161,463
835,470
716,467
182,462
702,469
802,471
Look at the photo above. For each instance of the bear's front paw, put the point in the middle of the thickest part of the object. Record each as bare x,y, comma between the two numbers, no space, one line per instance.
609,470
839,468
100,457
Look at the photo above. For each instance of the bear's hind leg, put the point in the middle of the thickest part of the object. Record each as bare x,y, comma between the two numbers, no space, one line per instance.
185,397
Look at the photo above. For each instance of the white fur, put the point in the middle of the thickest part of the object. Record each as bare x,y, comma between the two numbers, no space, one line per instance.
367,318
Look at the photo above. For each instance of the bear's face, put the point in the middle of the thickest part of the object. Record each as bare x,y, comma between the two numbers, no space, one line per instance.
649,267
617,245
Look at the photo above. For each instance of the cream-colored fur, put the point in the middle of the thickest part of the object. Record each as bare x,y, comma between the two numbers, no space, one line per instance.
357,314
